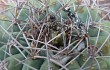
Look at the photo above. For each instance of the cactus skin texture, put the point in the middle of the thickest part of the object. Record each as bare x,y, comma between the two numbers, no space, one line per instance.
53,35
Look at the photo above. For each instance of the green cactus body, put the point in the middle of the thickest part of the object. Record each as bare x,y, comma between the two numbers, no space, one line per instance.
54,35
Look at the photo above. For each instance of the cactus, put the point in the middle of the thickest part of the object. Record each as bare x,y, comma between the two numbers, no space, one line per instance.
54,35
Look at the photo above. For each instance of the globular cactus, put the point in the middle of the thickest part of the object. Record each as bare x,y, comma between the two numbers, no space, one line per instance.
54,35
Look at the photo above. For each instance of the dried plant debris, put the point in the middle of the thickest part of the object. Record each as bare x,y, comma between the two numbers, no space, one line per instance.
55,35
